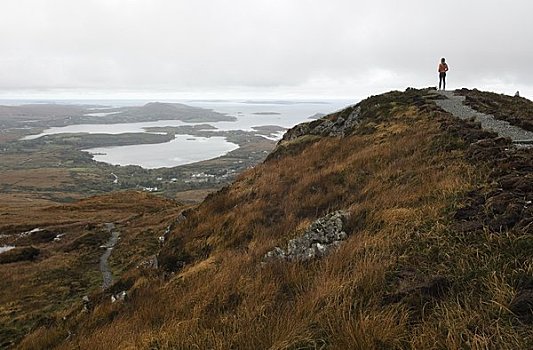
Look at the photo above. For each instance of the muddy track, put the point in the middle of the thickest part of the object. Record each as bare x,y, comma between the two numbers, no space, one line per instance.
107,276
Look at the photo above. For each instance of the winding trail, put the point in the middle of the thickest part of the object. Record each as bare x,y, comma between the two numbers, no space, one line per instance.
454,104
104,267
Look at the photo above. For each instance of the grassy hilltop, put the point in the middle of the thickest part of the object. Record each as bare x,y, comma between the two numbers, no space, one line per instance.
438,254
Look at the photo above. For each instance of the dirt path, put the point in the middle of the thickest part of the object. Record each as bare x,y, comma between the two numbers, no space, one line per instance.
454,105
104,268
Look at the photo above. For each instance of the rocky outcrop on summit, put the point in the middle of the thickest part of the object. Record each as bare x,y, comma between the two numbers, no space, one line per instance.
321,236
337,124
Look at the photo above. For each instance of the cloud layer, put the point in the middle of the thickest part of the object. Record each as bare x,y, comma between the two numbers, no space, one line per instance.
335,48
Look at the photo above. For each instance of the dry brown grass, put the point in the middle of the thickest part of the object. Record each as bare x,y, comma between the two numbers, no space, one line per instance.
400,188
193,196
38,178
33,292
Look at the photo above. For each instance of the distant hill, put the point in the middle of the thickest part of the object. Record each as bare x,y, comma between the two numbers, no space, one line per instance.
390,224
40,111
159,110
47,115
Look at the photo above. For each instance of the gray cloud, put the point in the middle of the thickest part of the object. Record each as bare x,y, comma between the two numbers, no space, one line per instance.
262,47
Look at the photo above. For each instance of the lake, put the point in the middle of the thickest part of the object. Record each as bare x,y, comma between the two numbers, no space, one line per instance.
185,149
6,248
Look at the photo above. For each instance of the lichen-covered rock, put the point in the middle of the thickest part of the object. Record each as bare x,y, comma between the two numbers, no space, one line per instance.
317,240
325,126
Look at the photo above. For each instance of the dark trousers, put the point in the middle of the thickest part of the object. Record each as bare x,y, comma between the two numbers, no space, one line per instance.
442,80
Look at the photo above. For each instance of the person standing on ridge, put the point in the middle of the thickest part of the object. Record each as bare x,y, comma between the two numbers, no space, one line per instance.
443,68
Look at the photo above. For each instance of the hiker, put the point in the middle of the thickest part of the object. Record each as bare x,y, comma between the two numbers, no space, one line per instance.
443,68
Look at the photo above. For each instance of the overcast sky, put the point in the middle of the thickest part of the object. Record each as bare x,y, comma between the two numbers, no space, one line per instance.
260,48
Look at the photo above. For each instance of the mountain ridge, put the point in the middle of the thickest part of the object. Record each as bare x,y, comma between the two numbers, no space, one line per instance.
437,251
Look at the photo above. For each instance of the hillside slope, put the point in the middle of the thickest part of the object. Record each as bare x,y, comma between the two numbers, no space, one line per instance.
56,251
438,219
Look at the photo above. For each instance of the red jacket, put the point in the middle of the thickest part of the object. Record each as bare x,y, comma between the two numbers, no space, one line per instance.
443,67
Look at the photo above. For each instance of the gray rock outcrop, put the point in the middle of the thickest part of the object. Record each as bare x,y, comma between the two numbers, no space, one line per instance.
119,297
149,264
318,239
325,126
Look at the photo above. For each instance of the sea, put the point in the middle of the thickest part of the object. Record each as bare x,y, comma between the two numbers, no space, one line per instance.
185,149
